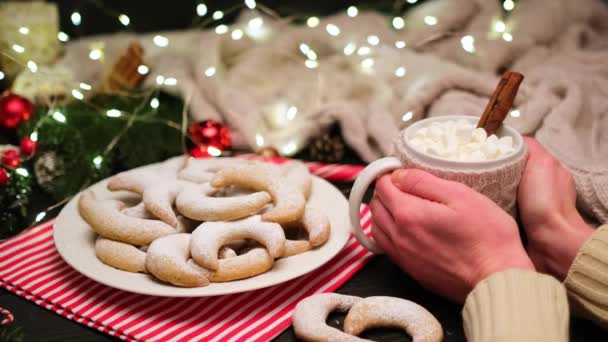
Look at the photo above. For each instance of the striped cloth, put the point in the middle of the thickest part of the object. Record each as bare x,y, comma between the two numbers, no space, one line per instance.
31,267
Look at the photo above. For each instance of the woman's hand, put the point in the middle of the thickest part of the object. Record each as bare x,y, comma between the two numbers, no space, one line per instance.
444,234
547,207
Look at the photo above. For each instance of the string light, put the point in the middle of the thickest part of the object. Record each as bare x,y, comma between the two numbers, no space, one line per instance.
95,54
237,34
250,4
76,18
63,37
352,11
412,1
160,41
210,71
22,172
400,72
124,19
367,64
398,23
259,140
34,136
304,48
201,10
400,44
468,43
214,151
170,81
160,79
78,95
24,30
154,103
312,22
143,69
289,148
18,48
291,113
32,66
500,26
373,40
507,37
97,161
85,86
1,75
363,51
311,64
40,216
407,116
113,113
350,48
515,113
332,29
255,28
430,20
508,5
221,29
217,15
59,117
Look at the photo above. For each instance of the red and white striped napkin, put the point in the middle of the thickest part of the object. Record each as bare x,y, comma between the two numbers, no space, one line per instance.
31,267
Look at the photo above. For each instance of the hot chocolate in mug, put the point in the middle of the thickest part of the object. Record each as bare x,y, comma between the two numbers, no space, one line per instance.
496,178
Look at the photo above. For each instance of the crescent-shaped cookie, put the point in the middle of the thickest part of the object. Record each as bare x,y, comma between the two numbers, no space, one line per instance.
210,236
184,224
288,197
120,255
202,170
106,219
234,267
159,198
298,174
293,247
315,222
196,202
311,313
391,312
167,259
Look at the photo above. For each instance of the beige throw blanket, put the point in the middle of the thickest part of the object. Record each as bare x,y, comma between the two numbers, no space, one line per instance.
364,78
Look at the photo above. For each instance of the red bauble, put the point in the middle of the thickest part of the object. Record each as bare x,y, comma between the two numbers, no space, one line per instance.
28,146
210,137
14,109
10,158
3,177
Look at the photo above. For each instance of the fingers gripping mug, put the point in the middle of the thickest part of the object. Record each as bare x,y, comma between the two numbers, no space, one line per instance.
496,178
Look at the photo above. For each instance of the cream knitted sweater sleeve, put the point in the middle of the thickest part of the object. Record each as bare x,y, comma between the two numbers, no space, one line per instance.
517,305
587,280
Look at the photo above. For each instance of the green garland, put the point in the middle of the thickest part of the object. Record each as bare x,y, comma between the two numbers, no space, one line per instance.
86,144
82,143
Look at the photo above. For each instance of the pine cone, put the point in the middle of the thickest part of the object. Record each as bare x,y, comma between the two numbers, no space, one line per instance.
329,147
48,168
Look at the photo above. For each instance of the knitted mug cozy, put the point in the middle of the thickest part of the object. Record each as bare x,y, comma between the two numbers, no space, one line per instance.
499,183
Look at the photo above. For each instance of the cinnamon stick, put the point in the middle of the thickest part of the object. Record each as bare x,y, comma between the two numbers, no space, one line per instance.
501,102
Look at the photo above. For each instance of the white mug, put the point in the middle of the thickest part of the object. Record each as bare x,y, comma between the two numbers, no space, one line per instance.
464,172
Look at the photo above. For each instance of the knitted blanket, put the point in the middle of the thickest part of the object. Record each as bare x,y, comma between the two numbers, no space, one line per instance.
375,80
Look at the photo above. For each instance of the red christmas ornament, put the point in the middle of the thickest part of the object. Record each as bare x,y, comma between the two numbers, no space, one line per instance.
10,158
211,138
28,146
14,109
3,177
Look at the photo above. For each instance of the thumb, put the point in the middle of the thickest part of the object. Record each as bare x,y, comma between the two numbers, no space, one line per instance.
422,184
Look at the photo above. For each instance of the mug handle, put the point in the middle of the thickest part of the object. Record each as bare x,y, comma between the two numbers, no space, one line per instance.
365,178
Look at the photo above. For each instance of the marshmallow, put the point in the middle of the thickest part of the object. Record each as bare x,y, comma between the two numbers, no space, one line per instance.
460,140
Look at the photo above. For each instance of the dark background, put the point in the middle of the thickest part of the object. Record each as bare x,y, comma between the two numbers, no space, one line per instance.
380,277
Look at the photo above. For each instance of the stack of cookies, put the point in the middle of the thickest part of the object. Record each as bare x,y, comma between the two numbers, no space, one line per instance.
206,220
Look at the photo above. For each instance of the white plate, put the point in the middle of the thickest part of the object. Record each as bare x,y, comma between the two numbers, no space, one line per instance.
75,242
